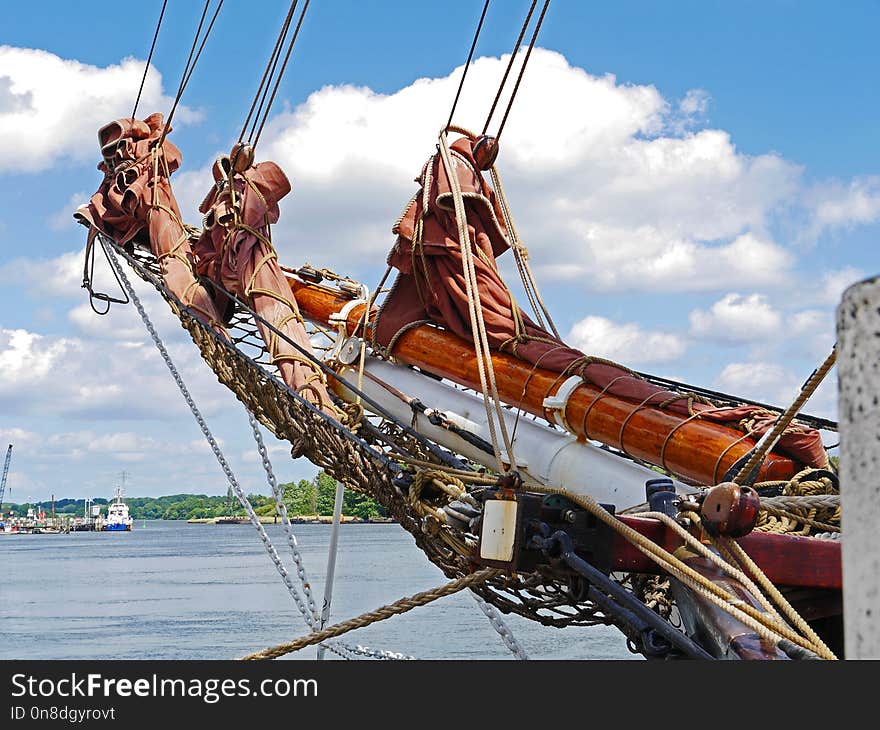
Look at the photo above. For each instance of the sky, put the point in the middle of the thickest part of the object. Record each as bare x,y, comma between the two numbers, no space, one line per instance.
697,183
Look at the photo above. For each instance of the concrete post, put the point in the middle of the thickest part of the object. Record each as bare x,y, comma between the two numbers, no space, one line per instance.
858,364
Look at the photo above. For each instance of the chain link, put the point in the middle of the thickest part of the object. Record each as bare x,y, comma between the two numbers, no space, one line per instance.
312,618
501,627
335,647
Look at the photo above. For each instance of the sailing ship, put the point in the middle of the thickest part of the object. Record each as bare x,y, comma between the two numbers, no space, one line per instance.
559,486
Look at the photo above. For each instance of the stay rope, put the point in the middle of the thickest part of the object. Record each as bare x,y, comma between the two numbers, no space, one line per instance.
478,325
191,62
149,58
467,63
519,38
255,138
769,440
380,614
263,88
308,613
521,71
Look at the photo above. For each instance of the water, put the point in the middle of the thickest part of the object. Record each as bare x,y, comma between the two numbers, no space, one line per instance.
172,590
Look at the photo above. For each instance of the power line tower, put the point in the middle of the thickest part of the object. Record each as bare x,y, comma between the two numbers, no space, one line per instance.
5,474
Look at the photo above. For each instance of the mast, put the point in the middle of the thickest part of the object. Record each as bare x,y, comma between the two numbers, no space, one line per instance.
5,473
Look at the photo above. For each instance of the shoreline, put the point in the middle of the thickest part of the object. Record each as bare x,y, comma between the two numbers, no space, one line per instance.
300,520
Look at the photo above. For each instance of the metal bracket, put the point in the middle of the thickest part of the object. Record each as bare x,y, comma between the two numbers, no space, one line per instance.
556,404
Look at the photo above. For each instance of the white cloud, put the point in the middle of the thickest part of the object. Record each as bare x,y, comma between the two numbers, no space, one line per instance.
51,107
836,205
777,384
763,381
602,186
73,378
834,283
626,343
65,272
736,319
63,217
695,102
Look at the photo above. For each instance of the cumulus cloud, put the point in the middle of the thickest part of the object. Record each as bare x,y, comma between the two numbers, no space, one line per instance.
627,343
763,381
841,206
51,107
611,190
777,384
834,283
65,272
736,319
70,377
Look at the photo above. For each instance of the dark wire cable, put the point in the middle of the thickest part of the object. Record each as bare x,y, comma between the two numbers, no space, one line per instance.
522,32
467,63
149,58
268,74
281,73
191,63
522,70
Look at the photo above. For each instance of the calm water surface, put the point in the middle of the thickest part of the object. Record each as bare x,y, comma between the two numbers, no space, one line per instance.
171,590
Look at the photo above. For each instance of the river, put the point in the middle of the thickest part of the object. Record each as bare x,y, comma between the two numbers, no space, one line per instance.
173,590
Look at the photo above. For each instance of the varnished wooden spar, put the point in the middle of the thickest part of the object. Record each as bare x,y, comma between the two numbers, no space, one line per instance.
695,449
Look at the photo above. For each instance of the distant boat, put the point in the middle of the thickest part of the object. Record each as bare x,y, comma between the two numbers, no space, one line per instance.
118,518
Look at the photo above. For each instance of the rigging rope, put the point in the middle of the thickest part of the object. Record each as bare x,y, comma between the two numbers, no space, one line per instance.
522,70
519,38
467,63
768,625
190,65
380,614
280,73
478,326
269,72
149,58
768,441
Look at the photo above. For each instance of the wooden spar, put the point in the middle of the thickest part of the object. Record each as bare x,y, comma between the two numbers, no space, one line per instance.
696,449
787,560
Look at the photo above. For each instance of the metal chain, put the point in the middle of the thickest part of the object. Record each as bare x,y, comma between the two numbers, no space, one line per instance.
312,618
502,628
305,586
221,459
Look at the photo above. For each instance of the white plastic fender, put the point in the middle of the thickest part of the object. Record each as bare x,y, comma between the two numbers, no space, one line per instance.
544,455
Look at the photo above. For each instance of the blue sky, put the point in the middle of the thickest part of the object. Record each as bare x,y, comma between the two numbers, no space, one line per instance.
697,182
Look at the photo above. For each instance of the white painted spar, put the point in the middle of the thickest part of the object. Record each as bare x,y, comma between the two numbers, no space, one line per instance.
546,456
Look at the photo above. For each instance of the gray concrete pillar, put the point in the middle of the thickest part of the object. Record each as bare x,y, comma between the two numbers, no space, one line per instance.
858,369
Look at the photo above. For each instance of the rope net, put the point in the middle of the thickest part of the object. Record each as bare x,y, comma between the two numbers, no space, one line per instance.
416,482
367,453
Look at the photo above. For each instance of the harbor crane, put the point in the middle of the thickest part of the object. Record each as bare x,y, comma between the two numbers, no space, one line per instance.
5,474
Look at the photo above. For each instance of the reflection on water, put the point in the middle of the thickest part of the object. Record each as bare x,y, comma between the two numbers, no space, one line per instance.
171,590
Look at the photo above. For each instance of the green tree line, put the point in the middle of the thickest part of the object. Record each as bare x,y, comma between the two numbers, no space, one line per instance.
305,497
316,497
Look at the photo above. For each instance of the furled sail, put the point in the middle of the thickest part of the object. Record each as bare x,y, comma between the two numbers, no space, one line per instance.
430,287
235,250
135,201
